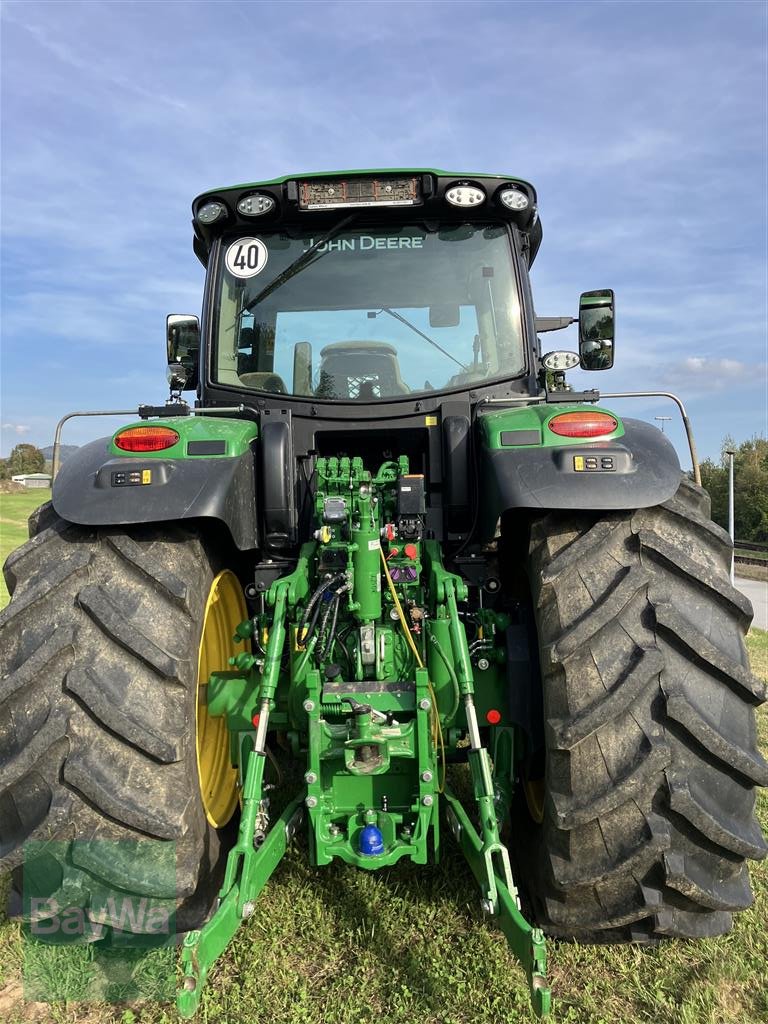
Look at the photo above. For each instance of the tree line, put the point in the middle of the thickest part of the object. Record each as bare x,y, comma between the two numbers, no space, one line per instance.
24,458
750,488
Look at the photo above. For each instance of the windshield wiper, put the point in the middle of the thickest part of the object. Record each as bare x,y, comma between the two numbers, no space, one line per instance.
299,263
421,334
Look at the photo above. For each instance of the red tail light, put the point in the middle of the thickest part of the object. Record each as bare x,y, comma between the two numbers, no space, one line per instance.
146,439
583,424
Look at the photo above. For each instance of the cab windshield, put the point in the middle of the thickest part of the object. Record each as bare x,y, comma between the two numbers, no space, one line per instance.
371,314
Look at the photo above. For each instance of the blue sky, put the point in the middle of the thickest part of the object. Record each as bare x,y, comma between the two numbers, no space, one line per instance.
642,126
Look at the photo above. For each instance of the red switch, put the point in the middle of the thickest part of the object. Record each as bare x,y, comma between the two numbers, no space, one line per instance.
411,551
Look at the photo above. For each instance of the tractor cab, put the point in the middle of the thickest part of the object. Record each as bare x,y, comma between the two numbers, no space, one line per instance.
363,310
366,289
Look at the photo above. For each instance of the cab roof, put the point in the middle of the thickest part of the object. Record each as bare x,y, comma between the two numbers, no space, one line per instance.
430,203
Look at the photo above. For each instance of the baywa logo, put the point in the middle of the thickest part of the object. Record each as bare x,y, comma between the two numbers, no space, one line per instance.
86,935
127,914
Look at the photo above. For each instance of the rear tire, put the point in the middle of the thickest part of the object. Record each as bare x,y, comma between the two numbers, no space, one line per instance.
651,751
98,662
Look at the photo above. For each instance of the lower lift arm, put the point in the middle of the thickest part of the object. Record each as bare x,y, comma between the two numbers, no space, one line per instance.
486,855
248,867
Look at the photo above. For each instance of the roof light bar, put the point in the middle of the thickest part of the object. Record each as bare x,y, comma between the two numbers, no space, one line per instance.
352,192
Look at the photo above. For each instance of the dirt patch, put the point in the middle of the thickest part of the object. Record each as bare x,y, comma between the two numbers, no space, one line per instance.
13,1007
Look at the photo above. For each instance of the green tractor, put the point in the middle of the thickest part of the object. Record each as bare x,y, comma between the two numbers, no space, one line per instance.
390,549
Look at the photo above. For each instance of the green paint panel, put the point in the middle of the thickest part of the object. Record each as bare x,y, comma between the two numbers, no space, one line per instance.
237,435
536,418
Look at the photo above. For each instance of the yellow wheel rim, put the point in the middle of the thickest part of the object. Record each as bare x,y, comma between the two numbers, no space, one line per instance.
534,791
224,610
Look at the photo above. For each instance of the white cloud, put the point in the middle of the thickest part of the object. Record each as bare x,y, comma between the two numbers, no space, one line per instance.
715,368
17,428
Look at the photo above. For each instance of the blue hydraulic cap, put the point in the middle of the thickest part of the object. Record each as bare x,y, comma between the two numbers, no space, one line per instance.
371,841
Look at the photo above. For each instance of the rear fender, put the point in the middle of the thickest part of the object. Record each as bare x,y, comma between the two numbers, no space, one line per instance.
524,466
208,474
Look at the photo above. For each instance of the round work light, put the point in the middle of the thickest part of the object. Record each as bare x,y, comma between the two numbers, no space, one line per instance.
211,212
560,360
465,195
513,199
255,205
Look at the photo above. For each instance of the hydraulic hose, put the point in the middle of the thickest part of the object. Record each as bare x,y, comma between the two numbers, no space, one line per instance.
329,606
449,669
334,621
313,601
437,738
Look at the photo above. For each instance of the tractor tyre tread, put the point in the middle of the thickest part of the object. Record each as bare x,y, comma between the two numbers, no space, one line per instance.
649,713
98,678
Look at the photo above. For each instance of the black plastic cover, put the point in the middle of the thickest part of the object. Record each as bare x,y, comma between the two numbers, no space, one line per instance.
456,472
641,470
278,504
223,489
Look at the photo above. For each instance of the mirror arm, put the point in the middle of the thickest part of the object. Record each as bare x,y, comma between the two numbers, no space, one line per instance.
553,323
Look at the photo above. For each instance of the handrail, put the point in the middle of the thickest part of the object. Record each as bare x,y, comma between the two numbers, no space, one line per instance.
598,396
525,399
70,415
683,414
56,459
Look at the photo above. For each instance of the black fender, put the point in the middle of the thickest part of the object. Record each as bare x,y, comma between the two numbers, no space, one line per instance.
637,470
93,488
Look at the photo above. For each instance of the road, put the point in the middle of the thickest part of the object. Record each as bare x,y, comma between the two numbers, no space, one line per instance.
757,592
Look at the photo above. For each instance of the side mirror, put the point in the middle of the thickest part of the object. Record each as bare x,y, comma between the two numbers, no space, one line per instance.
182,332
596,326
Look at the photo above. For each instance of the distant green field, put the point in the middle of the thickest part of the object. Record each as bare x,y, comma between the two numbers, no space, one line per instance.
746,553
15,509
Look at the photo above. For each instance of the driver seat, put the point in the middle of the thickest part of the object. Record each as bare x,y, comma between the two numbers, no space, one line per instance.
360,370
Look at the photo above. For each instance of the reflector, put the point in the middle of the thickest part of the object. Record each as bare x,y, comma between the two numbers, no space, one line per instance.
583,424
146,439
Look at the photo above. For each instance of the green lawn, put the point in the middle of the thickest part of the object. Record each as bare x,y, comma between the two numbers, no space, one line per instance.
408,946
746,553
15,509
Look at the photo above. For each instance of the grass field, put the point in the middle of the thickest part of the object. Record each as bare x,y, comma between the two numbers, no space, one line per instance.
14,512
409,946
762,555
